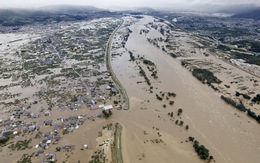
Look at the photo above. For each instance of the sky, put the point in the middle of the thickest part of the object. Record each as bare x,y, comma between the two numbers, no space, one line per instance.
123,3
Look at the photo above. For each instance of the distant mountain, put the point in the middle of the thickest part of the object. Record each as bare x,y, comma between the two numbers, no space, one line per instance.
69,9
132,9
18,17
255,14
143,9
237,9
212,8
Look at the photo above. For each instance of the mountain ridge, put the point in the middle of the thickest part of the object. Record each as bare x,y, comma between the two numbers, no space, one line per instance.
255,14
19,17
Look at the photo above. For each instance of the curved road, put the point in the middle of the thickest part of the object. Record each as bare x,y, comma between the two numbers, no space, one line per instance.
110,69
122,91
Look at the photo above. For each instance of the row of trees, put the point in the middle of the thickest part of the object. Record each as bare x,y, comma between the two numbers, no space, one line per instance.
241,107
253,115
148,62
251,59
205,76
245,96
132,57
158,97
142,72
201,150
256,99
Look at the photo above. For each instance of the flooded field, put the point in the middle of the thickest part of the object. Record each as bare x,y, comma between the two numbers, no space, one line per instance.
149,133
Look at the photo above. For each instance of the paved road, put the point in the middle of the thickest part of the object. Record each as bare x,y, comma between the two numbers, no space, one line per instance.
110,69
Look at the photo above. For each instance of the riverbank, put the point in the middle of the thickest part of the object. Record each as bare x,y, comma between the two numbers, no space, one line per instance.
110,69
150,134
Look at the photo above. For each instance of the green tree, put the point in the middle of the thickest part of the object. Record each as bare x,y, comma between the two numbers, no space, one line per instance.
179,111
110,112
105,113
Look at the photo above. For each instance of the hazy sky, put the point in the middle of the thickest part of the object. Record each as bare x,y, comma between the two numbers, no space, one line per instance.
122,3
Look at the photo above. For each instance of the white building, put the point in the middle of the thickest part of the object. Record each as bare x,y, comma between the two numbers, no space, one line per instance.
107,107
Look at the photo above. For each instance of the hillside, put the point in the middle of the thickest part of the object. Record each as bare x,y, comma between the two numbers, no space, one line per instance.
68,9
19,17
255,14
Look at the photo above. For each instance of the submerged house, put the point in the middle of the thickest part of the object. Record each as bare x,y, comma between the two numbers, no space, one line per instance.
8,133
107,107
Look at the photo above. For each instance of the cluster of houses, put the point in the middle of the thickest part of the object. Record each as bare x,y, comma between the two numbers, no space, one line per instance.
31,116
19,121
10,127
90,95
24,119
60,126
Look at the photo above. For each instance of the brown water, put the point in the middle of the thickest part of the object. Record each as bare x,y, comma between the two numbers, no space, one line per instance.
214,124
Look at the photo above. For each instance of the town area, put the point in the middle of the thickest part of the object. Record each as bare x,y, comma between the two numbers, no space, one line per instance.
54,82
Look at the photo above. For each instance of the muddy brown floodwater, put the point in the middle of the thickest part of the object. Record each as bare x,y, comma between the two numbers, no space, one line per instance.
226,132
